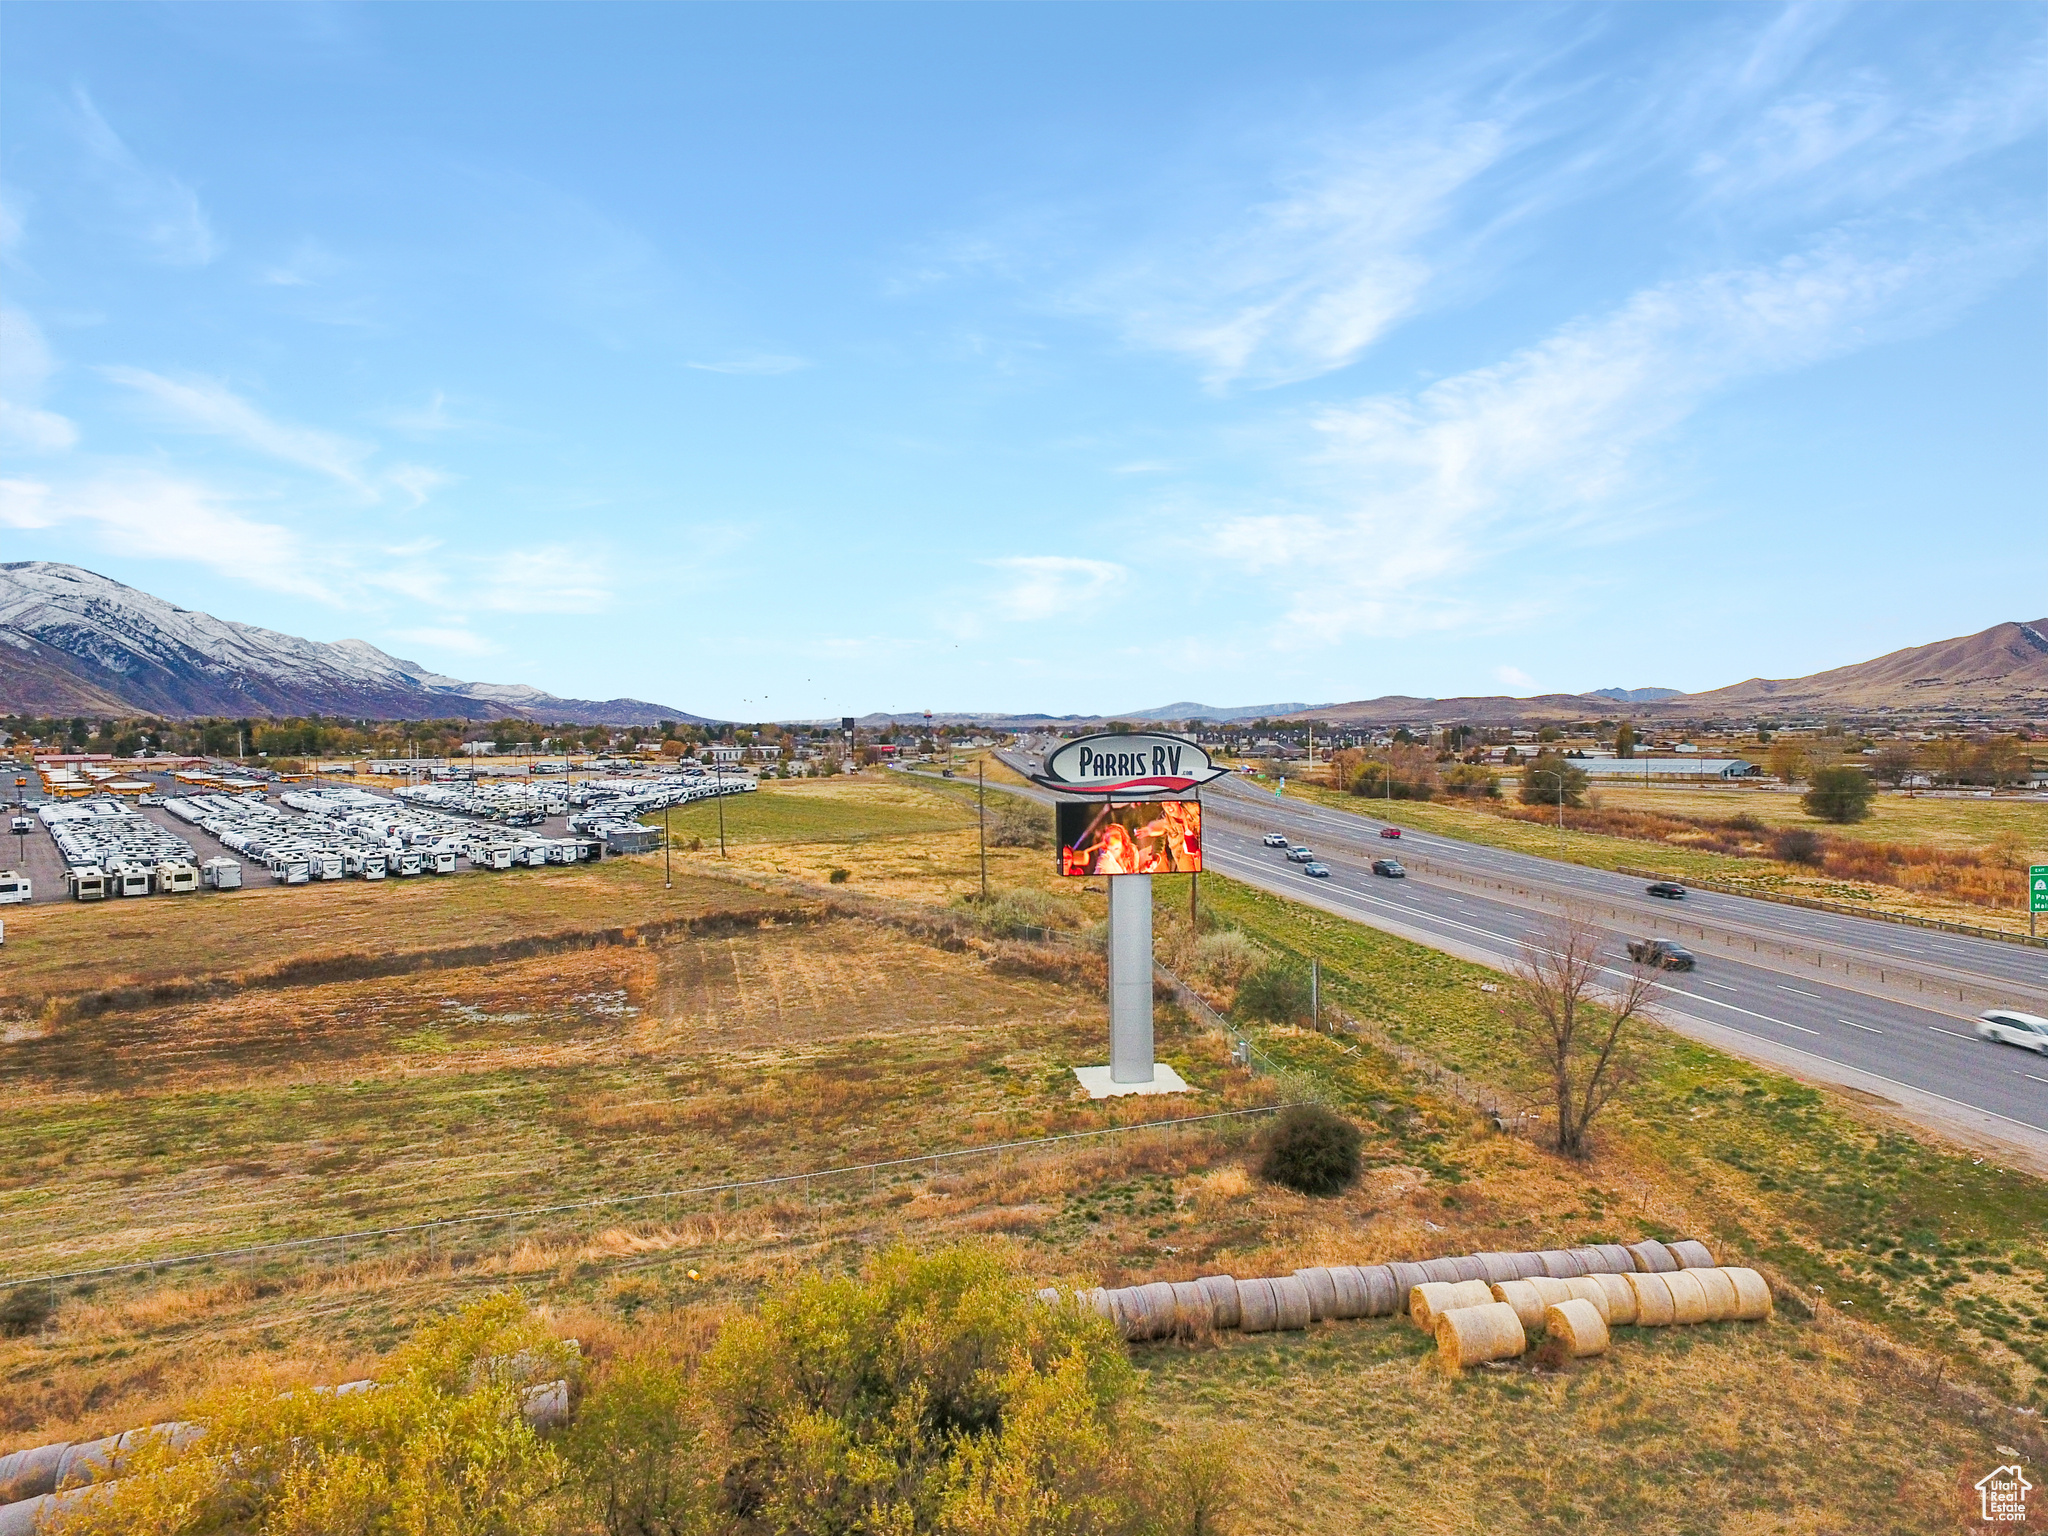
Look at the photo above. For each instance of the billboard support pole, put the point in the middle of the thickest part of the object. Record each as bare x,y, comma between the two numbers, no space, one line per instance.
1130,979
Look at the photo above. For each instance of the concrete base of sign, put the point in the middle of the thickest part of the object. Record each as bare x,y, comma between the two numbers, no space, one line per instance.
1101,1086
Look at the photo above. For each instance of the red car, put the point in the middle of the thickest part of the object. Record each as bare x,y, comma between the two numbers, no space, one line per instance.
1390,831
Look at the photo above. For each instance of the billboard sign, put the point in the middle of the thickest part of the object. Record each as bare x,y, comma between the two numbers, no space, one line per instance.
1137,764
1132,837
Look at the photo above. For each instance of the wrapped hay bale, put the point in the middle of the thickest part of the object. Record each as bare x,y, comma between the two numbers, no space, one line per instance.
1050,1295
1688,1297
1652,1257
1440,1271
1096,1300
1258,1308
1619,1261
1406,1278
1572,1330
1691,1254
1752,1295
1222,1293
1290,1296
1162,1309
1721,1300
1469,1335
1591,1260
1560,1265
1470,1268
30,1474
1587,1288
1621,1299
1322,1292
1352,1300
1381,1297
1521,1295
1496,1267
1434,1296
1653,1300
1194,1313
1527,1265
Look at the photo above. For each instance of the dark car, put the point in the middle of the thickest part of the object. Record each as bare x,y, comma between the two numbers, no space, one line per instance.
1390,831
1662,953
1670,890
1391,868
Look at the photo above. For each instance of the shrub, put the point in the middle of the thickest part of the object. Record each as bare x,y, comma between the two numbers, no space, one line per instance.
24,1312
1839,794
1275,993
838,877
1551,776
1313,1150
1008,914
1020,825
1796,845
1472,779
1225,958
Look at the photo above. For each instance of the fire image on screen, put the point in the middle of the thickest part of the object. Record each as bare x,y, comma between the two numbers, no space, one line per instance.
1146,837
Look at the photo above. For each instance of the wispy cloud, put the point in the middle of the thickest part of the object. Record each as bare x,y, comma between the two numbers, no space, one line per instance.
1515,677
763,363
208,406
552,578
458,642
25,368
1045,586
161,212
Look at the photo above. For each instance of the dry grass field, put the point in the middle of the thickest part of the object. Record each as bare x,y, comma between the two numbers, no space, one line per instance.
1940,820
791,1035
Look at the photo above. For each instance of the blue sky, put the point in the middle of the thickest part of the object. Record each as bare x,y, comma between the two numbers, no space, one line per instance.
791,361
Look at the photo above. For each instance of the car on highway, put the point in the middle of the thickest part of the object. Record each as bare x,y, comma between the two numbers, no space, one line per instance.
1391,868
1662,953
1670,890
2008,1026
1390,831
1276,839
1316,870
1301,855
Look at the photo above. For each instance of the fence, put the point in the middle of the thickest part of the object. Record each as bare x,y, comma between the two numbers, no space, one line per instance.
1846,908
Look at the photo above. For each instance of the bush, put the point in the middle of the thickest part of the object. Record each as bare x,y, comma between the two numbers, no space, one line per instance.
1839,794
1549,776
1796,845
1020,825
1273,994
1225,958
1009,914
1472,779
1312,1150
24,1312
838,877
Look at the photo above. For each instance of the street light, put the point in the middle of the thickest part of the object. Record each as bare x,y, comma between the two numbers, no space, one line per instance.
1556,774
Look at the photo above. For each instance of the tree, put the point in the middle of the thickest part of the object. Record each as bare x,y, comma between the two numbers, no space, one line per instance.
1896,762
1549,778
1788,761
1581,1042
1625,740
1839,794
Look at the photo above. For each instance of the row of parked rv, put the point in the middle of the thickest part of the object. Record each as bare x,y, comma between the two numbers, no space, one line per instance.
110,849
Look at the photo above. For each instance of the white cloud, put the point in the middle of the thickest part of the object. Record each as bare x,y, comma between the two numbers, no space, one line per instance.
25,368
459,642
204,405
416,481
1045,586
761,363
1515,677
555,578
164,214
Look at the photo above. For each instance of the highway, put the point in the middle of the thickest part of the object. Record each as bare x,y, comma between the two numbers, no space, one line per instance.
1885,1010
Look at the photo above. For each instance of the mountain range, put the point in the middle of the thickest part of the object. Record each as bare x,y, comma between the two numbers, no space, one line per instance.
74,642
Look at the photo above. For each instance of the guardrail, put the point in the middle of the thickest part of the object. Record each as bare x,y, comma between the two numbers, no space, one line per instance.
1846,908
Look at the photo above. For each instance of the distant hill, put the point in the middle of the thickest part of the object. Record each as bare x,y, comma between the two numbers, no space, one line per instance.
1190,711
2000,670
75,642
1634,695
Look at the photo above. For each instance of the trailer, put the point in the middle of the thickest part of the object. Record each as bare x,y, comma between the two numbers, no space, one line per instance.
176,879
129,880
86,884
14,887
290,869
221,875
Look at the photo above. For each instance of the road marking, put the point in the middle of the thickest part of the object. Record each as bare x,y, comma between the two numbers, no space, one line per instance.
2033,1079
1724,986
1865,1027
1814,995
1733,1009
1949,1032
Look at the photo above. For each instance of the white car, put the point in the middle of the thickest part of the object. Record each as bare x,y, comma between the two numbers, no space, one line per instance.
1276,839
2008,1026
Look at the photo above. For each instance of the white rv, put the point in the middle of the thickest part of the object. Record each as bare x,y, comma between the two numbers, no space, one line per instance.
14,888
221,875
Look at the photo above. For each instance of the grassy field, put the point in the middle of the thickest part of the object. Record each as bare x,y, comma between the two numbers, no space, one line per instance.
796,1039
1894,818
1472,824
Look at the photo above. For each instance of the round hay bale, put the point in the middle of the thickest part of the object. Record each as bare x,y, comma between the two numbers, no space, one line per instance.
1550,1289
1381,1297
1521,1295
1096,1300
1258,1307
1688,1297
1426,1300
1470,1268
1050,1295
1653,1300
1468,1335
1162,1309
1619,1260
1621,1299
1406,1278
1591,1260
1496,1267
1587,1288
1440,1271
1721,1298
1752,1295
32,1473
1222,1293
1527,1265
1691,1253
1352,1300
1322,1292
1572,1330
1194,1313
1290,1297
1652,1257
1560,1265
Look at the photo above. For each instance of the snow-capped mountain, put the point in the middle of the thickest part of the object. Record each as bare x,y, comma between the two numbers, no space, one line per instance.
75,641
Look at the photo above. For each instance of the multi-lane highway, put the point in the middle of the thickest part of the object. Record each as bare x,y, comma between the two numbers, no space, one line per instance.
1883,1009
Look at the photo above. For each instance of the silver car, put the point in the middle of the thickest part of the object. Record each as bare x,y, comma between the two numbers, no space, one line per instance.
2009,1026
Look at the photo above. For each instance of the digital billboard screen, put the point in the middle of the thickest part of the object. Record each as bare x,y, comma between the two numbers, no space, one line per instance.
1143,837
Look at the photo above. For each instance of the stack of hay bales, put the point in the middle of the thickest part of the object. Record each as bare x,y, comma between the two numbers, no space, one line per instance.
1638,1285
1576,1317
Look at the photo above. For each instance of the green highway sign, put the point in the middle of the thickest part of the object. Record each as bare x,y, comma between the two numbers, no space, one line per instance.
2037,888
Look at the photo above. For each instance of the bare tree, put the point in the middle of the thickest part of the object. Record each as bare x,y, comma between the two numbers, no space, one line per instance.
1575,1021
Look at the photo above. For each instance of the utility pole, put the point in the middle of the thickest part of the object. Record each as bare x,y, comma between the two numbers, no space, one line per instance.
667,881
1315,992
719,769
981,817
